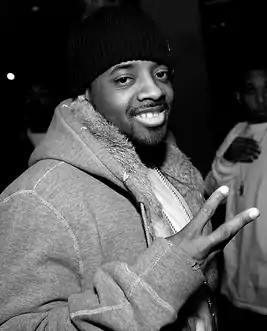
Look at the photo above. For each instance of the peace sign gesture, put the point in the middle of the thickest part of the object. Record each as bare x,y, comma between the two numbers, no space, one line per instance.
200,247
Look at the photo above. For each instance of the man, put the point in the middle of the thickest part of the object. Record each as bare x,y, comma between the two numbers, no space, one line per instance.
241,163
89,232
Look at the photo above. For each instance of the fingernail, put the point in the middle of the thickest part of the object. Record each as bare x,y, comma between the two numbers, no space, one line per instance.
254,212
224,189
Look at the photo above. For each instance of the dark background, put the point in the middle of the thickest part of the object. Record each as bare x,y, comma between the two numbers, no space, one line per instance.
210,39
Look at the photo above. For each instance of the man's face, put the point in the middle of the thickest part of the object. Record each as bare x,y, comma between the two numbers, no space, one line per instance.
135,96
255,94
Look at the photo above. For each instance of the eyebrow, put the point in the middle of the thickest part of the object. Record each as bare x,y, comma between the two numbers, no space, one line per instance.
122,66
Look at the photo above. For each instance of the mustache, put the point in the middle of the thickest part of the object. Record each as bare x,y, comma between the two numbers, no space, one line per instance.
132,110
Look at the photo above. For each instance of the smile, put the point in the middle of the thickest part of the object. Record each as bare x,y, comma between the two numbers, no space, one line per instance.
151,119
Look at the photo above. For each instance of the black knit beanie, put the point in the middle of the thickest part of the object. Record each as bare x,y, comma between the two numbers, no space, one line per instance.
111,36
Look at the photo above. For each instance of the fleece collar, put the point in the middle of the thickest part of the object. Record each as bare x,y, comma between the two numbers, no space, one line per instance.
177,167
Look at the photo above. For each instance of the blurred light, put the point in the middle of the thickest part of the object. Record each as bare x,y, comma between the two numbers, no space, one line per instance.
10,76
35,8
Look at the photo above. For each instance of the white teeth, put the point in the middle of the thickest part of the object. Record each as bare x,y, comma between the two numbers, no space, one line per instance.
151,119
148,115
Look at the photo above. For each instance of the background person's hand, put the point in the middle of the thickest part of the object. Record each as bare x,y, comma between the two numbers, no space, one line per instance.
242,150
202,248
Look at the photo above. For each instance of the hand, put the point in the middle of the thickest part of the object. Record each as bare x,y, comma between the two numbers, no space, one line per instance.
201,321
242,150
202,247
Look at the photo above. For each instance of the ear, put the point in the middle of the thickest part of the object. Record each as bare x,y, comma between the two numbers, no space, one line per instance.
238,97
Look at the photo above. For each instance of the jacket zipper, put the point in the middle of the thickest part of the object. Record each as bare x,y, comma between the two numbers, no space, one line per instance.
178,198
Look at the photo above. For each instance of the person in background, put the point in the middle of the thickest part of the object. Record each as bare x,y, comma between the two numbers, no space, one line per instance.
39,109
93,5
108,228
241,163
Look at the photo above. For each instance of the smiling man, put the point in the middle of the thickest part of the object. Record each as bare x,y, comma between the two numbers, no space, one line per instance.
136,96
107,229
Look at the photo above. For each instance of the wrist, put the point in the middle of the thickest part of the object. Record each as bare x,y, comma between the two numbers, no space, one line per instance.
227,161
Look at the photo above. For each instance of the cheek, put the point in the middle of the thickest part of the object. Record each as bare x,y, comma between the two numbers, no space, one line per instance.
119,101
249,101
169,93
113,106
171,96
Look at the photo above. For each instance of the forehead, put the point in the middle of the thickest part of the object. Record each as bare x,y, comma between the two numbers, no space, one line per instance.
256,76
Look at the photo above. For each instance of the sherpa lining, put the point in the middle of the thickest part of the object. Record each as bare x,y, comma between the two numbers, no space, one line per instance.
177,168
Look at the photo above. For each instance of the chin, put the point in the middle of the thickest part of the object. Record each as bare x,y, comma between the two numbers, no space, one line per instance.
260,117
154,138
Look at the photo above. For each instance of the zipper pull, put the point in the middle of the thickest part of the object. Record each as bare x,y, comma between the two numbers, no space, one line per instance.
241,189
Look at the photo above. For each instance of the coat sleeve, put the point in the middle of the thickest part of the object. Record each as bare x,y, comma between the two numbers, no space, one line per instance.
223,172
43,285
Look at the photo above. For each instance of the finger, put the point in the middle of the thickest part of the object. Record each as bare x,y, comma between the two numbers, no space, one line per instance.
248,144
246,160
246,141
208,209
244,157
241,139
223,234
251,149
253,145
255,156
249,157
251,140
245,150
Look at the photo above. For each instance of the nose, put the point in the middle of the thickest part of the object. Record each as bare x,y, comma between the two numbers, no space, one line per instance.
260,97
150,90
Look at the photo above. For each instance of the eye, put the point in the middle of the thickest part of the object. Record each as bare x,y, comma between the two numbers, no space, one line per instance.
249,88
123,81
163,75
